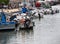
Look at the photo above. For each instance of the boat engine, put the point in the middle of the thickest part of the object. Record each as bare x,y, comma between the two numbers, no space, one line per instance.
27,22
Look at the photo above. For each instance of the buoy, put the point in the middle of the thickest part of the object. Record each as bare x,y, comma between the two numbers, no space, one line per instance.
37,4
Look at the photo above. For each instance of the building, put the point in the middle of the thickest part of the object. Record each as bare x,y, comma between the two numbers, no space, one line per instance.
21,0
18,0
29,0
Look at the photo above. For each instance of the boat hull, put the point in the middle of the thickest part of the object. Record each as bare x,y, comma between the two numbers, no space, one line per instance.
8,26
22,26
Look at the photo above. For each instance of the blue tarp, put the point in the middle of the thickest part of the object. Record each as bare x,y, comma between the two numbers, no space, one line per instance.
3,19
24,10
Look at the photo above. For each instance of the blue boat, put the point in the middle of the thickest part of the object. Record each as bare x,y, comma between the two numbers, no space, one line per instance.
4,24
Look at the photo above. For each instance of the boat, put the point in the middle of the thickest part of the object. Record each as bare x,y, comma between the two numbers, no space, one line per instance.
24,21
35,13
4,23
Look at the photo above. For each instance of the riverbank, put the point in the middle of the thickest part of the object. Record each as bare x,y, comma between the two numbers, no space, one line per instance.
10,10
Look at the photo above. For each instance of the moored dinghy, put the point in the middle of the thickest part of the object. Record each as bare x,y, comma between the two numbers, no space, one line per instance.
24,21
4,23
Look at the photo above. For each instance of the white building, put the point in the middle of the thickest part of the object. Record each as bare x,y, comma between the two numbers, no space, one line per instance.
51,0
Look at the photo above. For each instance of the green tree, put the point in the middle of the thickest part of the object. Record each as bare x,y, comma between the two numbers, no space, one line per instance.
4,2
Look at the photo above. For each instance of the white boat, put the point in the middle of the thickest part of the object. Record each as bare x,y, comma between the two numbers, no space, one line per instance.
24,21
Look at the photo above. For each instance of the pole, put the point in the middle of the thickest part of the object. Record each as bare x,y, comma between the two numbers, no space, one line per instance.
24,1
34,2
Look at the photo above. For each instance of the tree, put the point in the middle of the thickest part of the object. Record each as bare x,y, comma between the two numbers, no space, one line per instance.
4,2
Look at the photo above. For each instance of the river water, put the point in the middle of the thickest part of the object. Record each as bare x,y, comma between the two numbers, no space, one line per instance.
45,31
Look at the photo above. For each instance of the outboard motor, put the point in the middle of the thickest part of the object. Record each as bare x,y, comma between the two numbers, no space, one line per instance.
27,22
52,12
39,15
57,11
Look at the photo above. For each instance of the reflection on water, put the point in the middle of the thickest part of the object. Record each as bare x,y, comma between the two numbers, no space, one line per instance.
4,37
25,36
13,37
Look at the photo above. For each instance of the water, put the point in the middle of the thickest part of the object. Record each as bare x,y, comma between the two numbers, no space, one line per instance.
46,31
20,37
